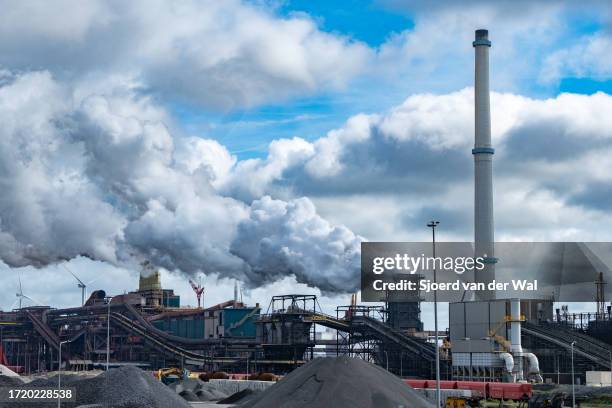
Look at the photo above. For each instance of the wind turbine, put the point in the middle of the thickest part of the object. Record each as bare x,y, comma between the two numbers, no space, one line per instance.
80,284
20,295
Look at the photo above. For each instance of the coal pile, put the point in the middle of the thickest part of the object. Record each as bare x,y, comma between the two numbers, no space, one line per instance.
126,387
342,382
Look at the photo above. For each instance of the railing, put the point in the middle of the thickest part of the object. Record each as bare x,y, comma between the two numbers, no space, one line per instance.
581,321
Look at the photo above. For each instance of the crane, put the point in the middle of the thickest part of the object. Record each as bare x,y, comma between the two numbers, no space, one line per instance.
198,289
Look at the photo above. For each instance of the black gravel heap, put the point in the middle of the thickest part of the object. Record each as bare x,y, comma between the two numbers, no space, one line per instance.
240,397
6,381
342,382
125,387
194,390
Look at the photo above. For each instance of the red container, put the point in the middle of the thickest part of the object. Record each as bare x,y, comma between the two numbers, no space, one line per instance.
417,383
510,391
479,389
445,385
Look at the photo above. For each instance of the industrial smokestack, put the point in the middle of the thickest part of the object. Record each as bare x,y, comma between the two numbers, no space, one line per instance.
483,165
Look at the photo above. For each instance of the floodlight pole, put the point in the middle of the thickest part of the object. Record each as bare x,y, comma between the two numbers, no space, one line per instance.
108,300
433,224
59,372
573,380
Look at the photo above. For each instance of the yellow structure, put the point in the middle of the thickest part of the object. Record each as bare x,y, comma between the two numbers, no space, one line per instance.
149,285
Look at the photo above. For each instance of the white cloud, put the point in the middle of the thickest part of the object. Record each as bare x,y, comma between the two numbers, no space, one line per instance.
194,154
218,54
383,175
436,54
588,58
251,178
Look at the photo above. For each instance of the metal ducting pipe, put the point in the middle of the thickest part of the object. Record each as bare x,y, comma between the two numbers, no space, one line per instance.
515,327
533,366
509,360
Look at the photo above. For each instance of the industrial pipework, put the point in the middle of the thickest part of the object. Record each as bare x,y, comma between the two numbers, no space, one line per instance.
516,348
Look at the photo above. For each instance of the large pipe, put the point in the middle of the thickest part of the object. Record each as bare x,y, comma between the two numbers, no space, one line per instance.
516,347
509,361
533,366
483,166
515,327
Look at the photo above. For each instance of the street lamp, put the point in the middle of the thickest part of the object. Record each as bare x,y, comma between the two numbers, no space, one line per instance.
108,300
59,371
573,381
433,224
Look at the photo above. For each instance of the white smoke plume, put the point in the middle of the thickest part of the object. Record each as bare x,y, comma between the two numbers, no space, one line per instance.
85,173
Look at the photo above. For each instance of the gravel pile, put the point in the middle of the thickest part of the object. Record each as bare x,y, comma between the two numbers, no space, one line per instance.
342,382
126,387
10,381
192,390
242,397
582,391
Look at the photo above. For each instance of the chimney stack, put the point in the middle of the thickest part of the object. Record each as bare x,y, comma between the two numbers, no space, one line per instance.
483,165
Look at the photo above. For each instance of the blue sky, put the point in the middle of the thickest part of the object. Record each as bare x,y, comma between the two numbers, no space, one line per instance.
369,21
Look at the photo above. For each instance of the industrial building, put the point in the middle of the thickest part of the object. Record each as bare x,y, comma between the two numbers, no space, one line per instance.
488,339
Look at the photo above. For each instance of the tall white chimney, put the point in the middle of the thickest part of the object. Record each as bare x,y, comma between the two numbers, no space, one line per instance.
483,166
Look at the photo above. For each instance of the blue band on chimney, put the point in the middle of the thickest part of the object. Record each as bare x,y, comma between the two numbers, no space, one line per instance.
485,150
481,42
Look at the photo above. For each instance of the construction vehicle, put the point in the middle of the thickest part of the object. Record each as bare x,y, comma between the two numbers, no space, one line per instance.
171,375
457,402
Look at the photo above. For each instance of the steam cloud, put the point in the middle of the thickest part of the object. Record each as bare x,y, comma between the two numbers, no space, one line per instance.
101,175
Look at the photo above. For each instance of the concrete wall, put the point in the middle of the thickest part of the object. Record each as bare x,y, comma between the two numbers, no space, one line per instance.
233,386
599,378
